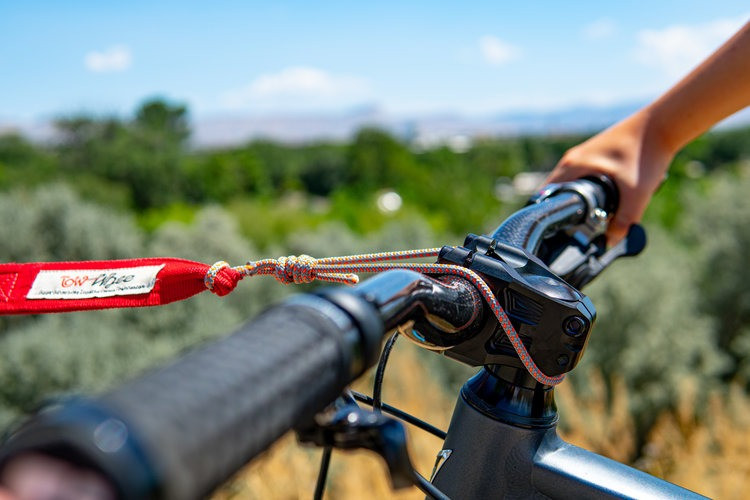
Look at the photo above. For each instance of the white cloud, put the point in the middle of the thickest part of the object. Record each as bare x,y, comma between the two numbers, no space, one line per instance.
676,49
299,87
117,58
599,29
496,51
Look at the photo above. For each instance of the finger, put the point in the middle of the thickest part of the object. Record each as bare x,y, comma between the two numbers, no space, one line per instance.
629,213
617,231
565,175
6,495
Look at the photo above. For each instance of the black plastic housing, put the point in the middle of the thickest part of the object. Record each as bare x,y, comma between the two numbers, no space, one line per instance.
552,318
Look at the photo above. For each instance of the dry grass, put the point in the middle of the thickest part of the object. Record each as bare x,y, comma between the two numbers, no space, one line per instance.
600,422
711,456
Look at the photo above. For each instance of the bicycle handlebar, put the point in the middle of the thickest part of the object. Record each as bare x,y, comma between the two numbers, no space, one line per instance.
587,201
526,228
180,431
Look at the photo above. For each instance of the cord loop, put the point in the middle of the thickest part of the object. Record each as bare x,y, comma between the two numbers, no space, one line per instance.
210,278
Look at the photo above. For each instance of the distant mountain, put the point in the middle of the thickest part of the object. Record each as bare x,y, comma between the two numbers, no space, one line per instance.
424,130
575,119
36,130
230,130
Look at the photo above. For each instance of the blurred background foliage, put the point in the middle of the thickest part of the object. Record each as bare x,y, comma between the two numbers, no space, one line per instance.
670,355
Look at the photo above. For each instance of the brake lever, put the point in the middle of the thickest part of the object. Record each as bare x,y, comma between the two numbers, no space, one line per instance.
580,267
345,425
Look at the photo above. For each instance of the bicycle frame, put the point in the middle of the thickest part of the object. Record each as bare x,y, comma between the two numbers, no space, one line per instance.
503,441
485,457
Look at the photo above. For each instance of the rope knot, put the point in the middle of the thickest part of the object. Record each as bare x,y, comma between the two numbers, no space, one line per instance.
295,269
221,278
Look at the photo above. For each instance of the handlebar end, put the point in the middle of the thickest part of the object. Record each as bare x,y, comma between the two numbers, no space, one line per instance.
610,192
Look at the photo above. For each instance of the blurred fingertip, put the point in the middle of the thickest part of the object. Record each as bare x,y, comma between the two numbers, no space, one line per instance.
616,231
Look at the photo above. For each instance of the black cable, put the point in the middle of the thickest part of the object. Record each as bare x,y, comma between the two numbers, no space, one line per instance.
406,417
377,388
427,487
325,461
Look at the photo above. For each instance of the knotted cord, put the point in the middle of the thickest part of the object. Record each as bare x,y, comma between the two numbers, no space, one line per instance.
53,287
344,269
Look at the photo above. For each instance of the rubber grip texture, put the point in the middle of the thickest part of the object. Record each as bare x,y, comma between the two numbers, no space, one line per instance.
522,229
203,417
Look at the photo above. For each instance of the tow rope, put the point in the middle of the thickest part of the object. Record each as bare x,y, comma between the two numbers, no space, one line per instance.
51,287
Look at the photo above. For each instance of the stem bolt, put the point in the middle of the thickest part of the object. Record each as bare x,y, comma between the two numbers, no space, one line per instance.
575,326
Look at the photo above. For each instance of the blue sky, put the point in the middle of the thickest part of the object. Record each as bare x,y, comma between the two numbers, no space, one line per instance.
239,58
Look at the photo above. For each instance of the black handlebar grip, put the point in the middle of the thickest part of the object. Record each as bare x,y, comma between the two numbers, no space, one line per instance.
527,227
180,431
555,206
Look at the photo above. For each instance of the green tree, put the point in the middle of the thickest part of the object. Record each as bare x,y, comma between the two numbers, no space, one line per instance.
220,176
324,169
143,154
650,332
720,231
162,122
24,164
377,160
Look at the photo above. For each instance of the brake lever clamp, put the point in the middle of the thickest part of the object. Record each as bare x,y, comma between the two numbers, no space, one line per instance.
580,254
579,266
600,195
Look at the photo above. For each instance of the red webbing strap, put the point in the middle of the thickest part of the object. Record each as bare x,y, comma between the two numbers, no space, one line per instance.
104,284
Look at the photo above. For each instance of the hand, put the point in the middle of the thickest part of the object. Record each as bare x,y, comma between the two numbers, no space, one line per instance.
633,154
40,477
637,151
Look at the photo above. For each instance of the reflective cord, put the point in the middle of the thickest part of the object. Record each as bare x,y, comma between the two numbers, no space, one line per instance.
344,269
306,269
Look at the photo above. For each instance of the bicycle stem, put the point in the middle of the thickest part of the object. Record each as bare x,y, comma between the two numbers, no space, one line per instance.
451,306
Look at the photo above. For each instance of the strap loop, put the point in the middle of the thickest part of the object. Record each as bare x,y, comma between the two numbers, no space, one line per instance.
211,274
221,279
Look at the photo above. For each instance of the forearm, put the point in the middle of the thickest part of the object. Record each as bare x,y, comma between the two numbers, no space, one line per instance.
714,90
637,151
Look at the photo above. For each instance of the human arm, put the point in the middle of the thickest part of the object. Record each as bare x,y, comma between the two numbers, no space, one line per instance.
637,151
